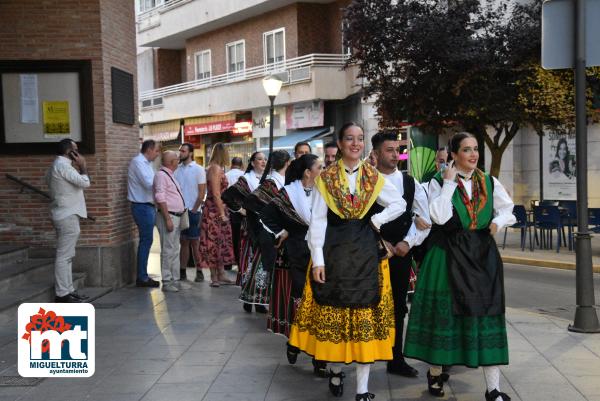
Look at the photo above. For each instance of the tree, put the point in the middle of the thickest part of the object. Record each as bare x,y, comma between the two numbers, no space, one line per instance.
466,64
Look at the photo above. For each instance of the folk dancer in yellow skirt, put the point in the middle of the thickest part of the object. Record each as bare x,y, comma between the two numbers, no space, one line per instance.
347,312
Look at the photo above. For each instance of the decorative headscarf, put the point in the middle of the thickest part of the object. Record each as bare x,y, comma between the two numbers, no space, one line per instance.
479,195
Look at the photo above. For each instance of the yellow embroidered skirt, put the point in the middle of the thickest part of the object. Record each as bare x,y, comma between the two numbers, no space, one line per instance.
347,335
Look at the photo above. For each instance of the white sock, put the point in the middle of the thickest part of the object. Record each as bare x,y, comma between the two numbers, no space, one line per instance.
362,377
335,368
492,379
435,370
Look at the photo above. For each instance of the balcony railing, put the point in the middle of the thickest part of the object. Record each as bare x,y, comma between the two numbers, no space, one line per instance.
150,18
290,71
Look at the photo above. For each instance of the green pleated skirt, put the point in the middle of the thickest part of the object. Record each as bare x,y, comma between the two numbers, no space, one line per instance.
437,336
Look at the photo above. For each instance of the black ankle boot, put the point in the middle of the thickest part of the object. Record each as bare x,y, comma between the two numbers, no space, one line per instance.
435,391
495,394
336,390
320,368
364,397
292,354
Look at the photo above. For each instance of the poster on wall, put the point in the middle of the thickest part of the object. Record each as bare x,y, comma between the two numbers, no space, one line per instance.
305,115
29,99
56,118
559,166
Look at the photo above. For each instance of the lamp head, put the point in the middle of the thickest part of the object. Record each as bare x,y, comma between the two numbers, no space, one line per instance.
272,85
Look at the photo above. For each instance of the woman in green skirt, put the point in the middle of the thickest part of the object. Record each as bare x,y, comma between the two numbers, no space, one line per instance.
457,313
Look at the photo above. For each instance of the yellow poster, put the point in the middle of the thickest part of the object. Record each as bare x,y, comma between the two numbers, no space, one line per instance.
56,118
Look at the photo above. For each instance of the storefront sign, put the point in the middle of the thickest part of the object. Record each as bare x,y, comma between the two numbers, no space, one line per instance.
242,128
559,166
207,128
305,115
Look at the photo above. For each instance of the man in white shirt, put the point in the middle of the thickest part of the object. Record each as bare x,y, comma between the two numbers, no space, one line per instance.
403,234
140,177
235,172
192,180
66,186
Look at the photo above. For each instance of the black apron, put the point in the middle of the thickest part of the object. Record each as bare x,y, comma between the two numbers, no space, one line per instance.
351,264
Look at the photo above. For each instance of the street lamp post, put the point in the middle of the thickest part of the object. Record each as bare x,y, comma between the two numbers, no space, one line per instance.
272,86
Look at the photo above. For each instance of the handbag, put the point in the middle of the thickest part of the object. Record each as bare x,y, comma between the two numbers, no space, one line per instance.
184,219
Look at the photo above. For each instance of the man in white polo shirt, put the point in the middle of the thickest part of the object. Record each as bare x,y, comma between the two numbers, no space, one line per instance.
192,180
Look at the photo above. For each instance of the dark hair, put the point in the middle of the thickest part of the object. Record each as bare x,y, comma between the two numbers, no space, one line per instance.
148,144
189,146
278,159
64,146
252,158
442,149
331,145
454,144
236,161
560,142
296,169
302,144
380,137
344,127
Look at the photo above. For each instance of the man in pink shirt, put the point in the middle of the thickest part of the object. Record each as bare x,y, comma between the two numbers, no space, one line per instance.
169,200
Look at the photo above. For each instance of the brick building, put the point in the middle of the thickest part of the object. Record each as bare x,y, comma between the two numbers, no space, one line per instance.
201,65
100,34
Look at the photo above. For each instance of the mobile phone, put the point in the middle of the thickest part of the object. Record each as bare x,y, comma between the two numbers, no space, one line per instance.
73,155
443,166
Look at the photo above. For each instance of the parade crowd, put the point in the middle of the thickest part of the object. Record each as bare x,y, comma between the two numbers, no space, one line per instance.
329,250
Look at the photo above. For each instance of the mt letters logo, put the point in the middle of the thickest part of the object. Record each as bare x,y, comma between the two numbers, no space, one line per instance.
56,340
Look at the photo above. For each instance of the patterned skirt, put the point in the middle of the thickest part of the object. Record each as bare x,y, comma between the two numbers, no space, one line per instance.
246,256
256,282
437,336
346,335
282,307
216,244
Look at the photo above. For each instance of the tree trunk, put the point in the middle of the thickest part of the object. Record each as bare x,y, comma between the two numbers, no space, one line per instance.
496,161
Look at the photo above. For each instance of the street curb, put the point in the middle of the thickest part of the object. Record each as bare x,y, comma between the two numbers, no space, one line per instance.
543,263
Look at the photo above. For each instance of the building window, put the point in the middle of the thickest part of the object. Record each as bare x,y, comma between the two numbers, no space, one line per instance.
346,49
236,56
146,5
274,46
203,64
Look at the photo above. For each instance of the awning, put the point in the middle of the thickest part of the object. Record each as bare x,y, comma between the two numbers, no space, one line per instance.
162,132
293,137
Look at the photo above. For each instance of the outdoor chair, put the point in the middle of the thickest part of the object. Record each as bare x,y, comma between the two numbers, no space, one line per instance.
547,219
523,224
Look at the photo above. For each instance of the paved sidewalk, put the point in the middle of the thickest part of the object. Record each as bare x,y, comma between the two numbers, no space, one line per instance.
564,259
199,344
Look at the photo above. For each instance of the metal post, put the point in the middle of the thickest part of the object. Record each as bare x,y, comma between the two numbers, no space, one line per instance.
586,319
271,116
541,166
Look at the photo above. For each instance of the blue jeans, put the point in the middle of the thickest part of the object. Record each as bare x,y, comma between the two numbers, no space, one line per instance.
144,216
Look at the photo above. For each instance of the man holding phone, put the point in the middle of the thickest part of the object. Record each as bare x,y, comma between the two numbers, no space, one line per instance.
67,178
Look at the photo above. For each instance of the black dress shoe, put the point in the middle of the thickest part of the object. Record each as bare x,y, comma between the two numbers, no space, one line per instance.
292,354
495,394
336,389
147,283
401,368
435,385
247,307
260,309
446,372
68,299
364,396
320,368
83,297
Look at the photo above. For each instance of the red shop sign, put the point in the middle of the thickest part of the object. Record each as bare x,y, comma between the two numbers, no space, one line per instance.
207,128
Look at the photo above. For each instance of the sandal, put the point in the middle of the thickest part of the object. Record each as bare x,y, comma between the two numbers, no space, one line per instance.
435,385
336,389
495,394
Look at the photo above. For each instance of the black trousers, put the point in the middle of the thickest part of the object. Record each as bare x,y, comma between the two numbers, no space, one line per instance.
400,277
235,219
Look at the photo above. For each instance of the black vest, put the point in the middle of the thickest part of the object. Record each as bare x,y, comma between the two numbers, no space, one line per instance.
395,230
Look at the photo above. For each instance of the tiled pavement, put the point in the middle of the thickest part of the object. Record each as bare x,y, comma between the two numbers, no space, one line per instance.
199,344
